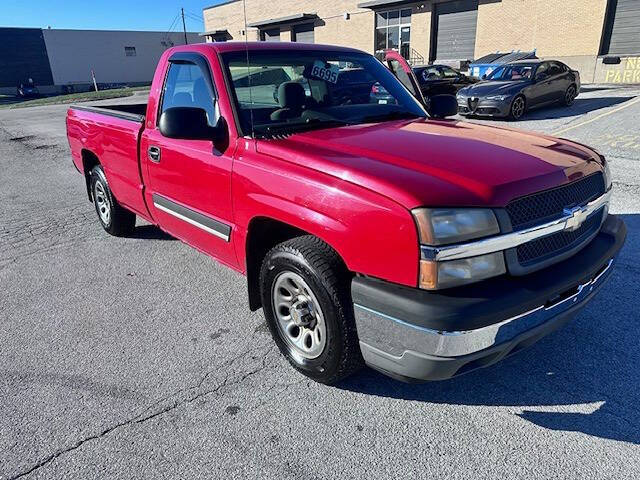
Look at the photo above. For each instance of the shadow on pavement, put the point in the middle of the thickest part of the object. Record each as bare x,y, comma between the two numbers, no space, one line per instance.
150,232
579,107
595,359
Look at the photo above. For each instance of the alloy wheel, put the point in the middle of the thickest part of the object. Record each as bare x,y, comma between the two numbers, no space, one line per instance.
570,96
517,109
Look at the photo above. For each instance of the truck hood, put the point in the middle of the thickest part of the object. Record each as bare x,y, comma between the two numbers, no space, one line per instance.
438,163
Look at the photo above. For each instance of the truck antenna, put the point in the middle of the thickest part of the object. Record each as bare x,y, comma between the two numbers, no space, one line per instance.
184,27
246,44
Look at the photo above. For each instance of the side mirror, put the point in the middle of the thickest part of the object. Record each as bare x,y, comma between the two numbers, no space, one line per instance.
188,123
484,77
443,106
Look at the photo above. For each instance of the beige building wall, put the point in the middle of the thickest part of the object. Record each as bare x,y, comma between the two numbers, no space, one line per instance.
421,29
567,30
552,27
332,27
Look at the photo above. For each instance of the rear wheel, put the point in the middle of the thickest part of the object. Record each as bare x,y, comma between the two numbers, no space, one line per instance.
518,107
570,95
305,291
114,218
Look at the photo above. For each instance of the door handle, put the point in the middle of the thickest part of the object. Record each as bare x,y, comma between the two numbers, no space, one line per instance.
154,154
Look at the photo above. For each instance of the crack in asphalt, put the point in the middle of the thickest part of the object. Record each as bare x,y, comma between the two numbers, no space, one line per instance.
193,393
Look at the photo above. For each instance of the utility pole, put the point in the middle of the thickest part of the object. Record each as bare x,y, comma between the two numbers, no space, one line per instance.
184,27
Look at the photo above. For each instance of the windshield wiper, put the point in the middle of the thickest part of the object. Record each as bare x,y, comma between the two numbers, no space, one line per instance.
384,117
285,129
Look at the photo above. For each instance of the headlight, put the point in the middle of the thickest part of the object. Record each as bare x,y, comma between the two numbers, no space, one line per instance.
439,226
500,98
435,275
607,175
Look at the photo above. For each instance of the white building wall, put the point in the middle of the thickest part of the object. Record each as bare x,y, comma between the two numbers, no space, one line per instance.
74,53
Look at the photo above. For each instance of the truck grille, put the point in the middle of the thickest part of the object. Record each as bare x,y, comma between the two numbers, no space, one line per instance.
543,248
536,208
547,205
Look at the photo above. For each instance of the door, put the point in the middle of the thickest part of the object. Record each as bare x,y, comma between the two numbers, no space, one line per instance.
190,180
455,30
560,81
622,29
403,72
540,91
304,33
272,35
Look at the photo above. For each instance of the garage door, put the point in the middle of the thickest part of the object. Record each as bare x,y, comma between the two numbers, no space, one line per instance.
456,24
303,33
624,28
272,35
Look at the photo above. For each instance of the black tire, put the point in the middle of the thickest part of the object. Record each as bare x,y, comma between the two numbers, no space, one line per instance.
570,95
520,108
114,218
324,273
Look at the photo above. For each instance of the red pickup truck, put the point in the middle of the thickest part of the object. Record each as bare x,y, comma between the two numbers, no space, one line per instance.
370,231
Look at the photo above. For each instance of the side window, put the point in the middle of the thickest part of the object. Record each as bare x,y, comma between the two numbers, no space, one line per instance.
185,86
554,69
449,72
542,68
431,73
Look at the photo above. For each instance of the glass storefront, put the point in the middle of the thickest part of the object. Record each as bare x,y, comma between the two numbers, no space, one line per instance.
393,31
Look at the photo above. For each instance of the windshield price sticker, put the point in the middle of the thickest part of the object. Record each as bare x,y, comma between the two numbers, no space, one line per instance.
325,71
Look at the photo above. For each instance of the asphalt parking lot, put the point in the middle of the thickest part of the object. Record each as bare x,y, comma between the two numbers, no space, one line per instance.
139,358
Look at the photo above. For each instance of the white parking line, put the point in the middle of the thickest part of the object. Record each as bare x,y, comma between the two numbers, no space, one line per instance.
628,104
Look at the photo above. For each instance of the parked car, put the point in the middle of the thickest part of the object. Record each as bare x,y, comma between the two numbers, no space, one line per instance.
27,89
441,79
432,80
380,95
512,89
369,233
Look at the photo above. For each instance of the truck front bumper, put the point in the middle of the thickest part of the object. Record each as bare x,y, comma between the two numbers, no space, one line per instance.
413,334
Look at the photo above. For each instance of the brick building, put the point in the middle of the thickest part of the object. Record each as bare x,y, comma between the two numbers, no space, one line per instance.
582,33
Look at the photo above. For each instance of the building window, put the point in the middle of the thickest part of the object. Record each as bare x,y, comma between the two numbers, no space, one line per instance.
393,30
271,35
130,51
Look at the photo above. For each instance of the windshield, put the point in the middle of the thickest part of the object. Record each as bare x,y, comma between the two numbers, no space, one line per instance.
296,90
512,72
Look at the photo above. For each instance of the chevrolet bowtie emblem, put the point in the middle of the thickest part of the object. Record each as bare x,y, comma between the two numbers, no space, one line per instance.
577,216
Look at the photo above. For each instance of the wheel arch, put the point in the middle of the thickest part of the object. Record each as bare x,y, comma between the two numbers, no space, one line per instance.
89,161
264,233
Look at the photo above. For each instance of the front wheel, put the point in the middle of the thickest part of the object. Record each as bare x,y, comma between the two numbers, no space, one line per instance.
518,107
306,298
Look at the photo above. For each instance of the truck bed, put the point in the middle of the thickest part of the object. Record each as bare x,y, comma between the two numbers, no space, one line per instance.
126,111
110,133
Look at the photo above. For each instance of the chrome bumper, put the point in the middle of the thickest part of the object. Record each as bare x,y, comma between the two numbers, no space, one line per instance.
397,336
410,334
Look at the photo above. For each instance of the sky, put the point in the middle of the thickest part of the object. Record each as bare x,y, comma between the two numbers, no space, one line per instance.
104,14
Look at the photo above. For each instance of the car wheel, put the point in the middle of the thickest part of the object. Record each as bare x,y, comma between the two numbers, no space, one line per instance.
570,95
306,298
518,107
114,218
